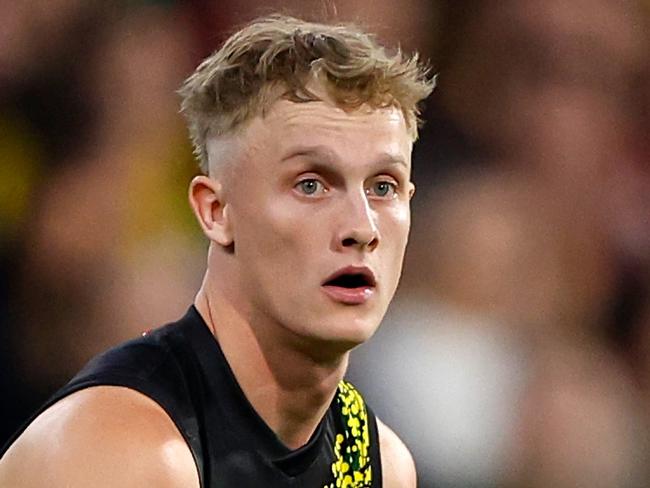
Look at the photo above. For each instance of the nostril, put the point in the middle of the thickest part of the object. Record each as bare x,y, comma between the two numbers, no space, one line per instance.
352,242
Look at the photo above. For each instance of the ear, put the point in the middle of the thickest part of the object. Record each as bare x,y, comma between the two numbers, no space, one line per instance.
211,210
411,189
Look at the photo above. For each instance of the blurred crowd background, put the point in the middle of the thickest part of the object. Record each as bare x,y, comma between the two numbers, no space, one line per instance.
517,350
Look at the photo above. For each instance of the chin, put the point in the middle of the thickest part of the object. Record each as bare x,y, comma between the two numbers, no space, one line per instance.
335,333
347,334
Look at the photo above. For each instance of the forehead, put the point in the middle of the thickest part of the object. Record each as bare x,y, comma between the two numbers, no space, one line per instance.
364,130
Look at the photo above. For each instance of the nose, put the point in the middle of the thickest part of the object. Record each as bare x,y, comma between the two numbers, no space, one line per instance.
358,226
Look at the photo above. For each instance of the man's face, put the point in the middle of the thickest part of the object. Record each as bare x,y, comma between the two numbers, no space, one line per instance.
319,206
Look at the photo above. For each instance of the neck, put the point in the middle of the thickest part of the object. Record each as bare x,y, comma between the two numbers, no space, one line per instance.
288,387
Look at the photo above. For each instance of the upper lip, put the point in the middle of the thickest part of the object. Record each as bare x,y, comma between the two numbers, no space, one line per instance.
354,270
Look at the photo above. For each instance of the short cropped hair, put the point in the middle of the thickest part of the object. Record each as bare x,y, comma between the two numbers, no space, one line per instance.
275,57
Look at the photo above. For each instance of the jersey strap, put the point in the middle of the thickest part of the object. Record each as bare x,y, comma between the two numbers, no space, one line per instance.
352,467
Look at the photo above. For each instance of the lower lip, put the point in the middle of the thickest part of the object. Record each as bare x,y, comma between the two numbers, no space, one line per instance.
349,296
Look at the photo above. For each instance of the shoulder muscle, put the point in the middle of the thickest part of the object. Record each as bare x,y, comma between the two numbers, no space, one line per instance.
101,436
397,464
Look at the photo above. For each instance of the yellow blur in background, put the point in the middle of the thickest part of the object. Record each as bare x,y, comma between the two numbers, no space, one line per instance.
516,351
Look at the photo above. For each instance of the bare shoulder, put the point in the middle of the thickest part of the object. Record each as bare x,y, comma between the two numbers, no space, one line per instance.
101,436
398,467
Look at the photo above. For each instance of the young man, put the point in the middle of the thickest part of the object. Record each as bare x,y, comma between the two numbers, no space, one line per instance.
304,133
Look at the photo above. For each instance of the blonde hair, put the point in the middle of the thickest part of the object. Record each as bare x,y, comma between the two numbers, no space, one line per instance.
275,57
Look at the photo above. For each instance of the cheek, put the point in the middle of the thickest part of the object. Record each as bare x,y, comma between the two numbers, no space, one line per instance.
397,225
276,234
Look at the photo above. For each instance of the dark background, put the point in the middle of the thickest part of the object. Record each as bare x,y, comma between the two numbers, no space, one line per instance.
516,351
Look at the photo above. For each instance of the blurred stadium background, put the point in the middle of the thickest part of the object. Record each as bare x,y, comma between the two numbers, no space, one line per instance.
517,352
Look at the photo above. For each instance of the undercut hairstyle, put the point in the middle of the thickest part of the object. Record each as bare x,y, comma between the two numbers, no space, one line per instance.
276,57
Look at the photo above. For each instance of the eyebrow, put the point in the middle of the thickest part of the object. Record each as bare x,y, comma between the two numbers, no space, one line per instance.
326,155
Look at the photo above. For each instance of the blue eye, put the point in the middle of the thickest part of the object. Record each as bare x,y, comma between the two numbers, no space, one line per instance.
310,186
382,189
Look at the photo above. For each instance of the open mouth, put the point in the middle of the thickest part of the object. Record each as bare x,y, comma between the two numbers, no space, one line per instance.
351,285
355,280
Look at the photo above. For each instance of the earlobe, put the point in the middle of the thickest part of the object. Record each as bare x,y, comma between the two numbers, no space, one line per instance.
207,200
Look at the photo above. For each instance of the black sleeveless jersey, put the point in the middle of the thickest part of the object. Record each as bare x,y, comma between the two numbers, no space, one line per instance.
182,368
